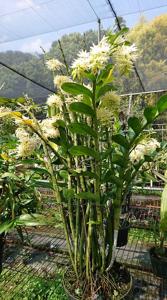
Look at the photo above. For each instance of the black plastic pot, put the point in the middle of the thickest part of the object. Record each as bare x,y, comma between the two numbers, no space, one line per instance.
2,244
123,233
159,263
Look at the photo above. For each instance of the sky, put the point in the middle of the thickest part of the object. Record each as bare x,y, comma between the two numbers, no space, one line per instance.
26,25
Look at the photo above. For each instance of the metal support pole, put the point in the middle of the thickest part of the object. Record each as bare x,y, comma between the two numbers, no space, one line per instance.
99,30
162,133
129,105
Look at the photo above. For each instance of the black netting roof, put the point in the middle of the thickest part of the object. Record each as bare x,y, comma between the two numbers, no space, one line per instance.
26,18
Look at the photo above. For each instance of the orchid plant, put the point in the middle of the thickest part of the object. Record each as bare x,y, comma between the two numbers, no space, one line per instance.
90,160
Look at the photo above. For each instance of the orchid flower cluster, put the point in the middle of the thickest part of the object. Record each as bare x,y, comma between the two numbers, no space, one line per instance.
95,60
145,148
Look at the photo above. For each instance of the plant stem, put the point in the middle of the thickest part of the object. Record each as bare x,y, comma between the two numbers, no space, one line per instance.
63,55
70,209
56,192
97,180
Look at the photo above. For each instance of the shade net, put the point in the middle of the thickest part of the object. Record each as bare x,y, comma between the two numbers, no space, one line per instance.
29,27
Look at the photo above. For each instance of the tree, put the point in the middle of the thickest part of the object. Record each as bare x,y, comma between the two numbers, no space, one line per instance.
150,39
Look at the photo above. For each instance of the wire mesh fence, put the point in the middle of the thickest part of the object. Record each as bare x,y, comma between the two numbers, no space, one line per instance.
38,260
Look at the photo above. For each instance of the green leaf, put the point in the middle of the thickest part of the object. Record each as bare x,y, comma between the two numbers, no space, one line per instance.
60,123
40,171
150,113
105,73
121,140
149,176
76,89
127,175
6,226
82,150
13,114
87,100
11,176
89,75
106,153
68,193
135,124
21,100
110,177
104,89
53,146
4,100
82,108
109,77
88,196
31,220
112,37
30,161
123,31
43,184
162,104
82,129
115,179
26,201
63,174
118,160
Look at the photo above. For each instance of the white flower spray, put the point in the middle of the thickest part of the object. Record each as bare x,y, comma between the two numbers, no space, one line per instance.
49,129
93,61
124,56
27,143
54,64
54,100
146,147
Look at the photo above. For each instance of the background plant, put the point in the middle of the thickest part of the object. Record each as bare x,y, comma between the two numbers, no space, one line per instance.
33,287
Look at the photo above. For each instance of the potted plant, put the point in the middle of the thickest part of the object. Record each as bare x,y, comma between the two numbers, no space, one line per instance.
19,199
158,253
91,162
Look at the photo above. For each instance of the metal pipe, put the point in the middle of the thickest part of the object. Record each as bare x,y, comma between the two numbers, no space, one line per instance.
119,28
143,93
99,30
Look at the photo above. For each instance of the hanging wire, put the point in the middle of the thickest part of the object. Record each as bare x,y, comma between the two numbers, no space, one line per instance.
41,17
119,27
91,21
25,8
91,6
26,77
46,2
98,20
